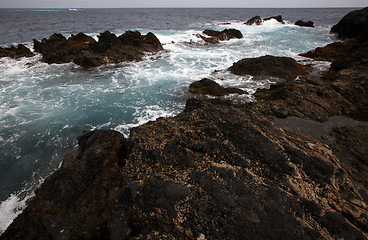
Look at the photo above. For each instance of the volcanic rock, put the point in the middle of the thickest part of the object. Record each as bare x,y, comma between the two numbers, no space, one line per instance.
216,36
16,52
210,87
277,18
353,25
86,52
254,20
279,67
302,23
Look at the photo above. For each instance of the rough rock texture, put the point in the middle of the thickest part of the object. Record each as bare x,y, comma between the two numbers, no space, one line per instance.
218,170
302,23
210,87
353,25
16,52
217,36
280,67
85,51
278,18
257,20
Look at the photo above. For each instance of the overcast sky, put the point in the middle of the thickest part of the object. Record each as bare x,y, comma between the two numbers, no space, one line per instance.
177,3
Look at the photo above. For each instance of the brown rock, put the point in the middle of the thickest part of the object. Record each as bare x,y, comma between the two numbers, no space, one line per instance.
280,67
210,87
16,52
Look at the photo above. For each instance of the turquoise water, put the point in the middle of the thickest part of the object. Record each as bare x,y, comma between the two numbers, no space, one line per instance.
43,108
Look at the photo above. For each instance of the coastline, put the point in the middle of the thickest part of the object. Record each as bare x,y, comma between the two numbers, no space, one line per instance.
219,169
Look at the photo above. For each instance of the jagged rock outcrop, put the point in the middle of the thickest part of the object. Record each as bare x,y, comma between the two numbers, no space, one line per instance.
353,25
217,36
257,20
277,18
86,52
210,87
16,52
302,23
280,67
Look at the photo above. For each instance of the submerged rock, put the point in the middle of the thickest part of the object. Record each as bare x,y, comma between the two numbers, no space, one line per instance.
210,87
16,52
216,36
280,67
302,23
353,25
86,52
257,20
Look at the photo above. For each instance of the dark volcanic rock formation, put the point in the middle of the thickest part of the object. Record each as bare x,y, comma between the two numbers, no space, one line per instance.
353,25
302,23
16,52
216,36
277,18
218,170
85,51
210,87
280,67
257,20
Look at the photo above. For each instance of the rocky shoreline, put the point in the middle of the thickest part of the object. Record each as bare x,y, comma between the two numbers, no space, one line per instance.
224,169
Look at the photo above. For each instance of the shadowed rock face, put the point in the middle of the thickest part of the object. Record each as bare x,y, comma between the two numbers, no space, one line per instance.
280,67
304,24
254,20
16,52
277,18
210,87
353,25
217,36
86,52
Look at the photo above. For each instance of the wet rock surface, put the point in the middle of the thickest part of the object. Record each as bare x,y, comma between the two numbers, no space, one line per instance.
86,52
16,52
217,36
257,20
218,170
279,67
302,23
210,87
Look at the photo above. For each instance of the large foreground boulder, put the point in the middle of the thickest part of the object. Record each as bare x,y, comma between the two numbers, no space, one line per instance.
279,67
85,51
16,52
353,25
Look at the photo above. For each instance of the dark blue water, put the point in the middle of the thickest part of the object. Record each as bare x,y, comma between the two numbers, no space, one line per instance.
43,108
22,25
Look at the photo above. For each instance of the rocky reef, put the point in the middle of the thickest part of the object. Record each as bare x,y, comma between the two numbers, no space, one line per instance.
86,52
222,169
209,87
217,36
16,52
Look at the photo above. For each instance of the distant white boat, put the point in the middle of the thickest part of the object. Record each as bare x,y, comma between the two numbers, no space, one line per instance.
73,9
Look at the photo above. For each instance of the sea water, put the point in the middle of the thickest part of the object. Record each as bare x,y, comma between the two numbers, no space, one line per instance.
43,108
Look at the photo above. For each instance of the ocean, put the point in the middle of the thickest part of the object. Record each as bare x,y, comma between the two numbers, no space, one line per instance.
43,108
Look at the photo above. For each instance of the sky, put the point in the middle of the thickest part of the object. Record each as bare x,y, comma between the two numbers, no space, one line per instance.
177,3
